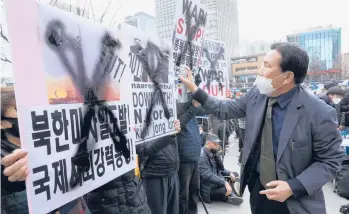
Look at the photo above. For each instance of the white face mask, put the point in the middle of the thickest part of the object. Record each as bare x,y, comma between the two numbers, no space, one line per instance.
265,85
336,100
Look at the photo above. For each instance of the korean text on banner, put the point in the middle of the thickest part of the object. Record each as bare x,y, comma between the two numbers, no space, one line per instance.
84,96
188,35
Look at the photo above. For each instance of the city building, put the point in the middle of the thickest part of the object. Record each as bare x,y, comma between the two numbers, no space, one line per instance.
345,66
323,45
143,21
222,21
254,48
164,18
244,70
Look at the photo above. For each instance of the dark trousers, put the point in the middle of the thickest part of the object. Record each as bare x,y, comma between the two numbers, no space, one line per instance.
189,179
260,204
162,194
241,138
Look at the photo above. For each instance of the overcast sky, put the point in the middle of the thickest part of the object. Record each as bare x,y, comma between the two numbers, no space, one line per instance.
264,19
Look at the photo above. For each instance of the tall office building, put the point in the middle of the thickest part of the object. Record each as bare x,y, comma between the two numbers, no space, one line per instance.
164,18
254,48
323,45
142,21
345,65
222,21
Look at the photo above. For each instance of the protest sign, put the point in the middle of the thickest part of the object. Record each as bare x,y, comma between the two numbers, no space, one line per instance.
190,21
75,86
213,68
152,97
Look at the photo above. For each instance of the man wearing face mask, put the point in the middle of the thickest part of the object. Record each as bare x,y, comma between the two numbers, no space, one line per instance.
213,185
334,96
292,136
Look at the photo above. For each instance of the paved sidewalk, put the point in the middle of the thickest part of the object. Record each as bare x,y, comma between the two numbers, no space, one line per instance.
333,201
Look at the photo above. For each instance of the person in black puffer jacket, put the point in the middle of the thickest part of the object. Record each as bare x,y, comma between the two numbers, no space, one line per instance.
123,195
160,161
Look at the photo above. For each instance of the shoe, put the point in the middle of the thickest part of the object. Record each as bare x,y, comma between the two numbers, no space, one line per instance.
234,200
236,187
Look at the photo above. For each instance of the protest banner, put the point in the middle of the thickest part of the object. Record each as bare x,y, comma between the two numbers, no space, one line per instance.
74,86
190,22
152,97
213,68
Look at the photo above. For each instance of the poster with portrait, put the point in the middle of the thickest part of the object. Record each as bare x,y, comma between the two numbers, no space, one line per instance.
80,102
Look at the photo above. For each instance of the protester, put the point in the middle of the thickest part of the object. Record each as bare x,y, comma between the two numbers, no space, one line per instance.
334,96
213,185
344,110
160,162
14,166
189,146
203,135
293,146
124,194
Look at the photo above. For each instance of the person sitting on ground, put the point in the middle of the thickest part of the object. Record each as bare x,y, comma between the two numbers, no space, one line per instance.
216,182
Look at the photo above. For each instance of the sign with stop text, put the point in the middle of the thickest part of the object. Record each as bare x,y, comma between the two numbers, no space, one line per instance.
188,36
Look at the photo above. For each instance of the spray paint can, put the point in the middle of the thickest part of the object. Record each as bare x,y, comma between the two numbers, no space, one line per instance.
183,94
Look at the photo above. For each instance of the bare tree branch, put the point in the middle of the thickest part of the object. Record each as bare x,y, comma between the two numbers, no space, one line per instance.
83,12
116,11
2,34
93,12
53,2
104,12
4,58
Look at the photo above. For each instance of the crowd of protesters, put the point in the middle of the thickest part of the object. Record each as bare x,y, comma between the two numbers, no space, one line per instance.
179,170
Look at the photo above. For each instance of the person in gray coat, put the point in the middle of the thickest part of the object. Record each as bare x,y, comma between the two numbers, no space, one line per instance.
292,148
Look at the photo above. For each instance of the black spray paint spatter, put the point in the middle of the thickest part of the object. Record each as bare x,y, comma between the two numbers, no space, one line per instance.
192,31
61,43
213,65
155,63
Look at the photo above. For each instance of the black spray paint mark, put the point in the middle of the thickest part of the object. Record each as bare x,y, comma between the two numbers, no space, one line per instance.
192,31
91,89
213,70
155,63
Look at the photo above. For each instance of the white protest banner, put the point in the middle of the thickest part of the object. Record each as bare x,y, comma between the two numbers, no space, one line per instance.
213,68
143,88
190,21
74,93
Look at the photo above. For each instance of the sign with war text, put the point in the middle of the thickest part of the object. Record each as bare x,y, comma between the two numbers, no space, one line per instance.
213,68
188,36
85,97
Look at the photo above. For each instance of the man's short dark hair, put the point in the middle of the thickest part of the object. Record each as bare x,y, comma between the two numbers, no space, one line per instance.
293,59
336,90
330,84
